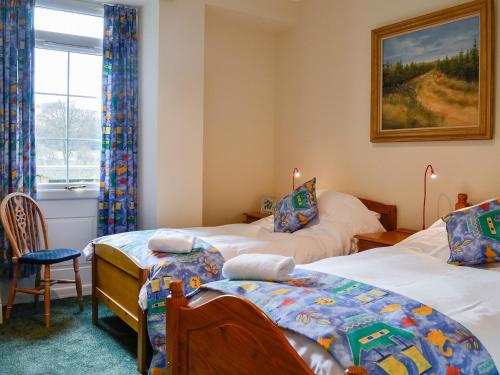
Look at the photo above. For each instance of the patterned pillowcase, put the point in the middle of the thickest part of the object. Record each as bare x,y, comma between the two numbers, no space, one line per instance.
474,234
296,209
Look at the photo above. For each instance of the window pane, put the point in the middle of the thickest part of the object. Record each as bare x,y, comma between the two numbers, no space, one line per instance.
50,116
50,161
51,71
84,118
68,121
84,161
85,74
68,23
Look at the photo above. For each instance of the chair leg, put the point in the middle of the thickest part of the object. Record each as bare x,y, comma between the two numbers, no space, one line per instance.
12,291
46,296
37,284
78,282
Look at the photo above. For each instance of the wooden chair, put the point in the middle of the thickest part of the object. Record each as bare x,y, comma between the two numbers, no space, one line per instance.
24,224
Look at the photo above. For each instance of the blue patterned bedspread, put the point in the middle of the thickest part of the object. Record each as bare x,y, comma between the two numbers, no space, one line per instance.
359,324
202,265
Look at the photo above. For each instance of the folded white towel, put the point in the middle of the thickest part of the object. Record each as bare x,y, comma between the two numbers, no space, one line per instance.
171,242
265,267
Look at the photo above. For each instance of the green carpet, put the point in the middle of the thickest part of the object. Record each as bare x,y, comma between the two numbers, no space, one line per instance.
72,344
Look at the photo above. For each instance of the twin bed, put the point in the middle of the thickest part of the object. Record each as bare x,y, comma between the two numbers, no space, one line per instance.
216,333
118,275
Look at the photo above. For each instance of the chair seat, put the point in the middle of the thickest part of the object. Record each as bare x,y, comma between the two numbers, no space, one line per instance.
49,256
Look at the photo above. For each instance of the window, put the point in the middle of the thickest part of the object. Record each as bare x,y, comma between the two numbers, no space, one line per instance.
68,68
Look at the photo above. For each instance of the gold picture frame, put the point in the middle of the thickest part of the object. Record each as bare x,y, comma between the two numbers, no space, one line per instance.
432,76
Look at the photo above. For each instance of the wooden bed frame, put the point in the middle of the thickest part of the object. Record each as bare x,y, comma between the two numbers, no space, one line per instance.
228,335
117,279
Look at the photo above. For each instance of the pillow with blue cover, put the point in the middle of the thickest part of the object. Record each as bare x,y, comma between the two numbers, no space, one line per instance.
474,234
296,209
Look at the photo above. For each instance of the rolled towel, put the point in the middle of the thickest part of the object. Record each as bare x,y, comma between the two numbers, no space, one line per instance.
171,242
265,267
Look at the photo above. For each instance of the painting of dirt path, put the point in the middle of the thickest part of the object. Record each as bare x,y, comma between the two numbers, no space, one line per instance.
430,77
454,101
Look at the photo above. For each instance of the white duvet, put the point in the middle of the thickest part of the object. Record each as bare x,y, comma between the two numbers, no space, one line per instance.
415,268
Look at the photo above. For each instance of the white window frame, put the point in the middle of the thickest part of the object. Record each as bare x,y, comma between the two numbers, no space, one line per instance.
69,43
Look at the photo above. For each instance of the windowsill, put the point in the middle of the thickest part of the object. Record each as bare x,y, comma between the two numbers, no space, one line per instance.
63,194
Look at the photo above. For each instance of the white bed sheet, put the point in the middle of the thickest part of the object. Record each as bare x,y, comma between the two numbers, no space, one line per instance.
415,268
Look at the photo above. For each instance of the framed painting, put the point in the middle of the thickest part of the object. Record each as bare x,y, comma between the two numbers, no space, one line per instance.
432,76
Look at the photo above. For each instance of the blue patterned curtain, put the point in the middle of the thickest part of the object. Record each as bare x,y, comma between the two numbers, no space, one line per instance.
17,126
118,197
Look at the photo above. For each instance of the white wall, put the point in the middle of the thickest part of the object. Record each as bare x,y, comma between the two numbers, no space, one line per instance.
281,13
180,119
323,115
180,115
239,116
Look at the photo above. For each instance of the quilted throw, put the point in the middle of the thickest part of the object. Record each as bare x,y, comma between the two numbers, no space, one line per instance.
359,324
202,265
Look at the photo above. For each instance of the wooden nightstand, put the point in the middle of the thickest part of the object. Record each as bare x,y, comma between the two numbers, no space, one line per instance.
382,239
250,217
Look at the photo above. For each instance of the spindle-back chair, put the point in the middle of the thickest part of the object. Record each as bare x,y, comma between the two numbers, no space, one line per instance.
24,223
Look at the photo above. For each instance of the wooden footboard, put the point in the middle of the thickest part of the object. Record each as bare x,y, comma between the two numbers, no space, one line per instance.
228,335
116,282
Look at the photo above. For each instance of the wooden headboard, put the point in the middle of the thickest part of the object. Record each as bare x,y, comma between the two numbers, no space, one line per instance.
389,218
389,213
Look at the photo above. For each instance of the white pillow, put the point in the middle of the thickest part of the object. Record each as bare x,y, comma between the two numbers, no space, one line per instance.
433,241
340,208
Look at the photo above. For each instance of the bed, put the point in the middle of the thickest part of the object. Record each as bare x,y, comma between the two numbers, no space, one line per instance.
207,334
117,277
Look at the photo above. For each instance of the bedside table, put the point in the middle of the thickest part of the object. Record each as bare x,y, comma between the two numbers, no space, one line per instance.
382,239
250,217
